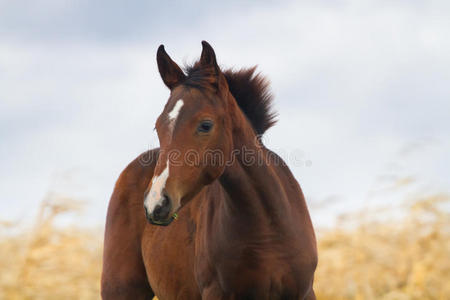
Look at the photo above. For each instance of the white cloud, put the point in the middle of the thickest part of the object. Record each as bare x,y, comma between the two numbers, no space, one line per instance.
354,82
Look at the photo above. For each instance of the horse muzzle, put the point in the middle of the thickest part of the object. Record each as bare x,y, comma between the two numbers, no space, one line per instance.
160,215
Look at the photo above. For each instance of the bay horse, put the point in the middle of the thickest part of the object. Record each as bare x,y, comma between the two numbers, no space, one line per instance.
212,213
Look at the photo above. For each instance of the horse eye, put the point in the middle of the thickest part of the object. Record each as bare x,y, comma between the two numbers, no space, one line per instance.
205,126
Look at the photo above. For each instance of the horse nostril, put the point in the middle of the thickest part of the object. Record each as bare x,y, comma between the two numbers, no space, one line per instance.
162,211
157,211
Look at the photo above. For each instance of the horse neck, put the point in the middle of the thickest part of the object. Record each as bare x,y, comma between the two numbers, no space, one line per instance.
254,193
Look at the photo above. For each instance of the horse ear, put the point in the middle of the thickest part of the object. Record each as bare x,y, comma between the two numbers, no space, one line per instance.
208,56
170,72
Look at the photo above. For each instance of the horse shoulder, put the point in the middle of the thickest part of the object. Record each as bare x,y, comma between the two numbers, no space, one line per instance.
299,205
124,274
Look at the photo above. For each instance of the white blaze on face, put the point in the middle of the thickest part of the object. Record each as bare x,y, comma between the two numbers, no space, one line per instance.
155,195
173,114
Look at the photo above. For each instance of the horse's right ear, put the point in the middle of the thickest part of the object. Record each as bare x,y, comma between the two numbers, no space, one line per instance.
170,72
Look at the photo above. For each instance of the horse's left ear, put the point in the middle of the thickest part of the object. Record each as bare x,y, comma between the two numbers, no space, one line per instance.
208,56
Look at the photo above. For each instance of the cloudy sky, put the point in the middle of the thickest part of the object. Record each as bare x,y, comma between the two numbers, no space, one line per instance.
362,89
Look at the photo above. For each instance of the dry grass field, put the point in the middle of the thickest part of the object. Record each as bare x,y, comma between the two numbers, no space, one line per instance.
405,258
408,258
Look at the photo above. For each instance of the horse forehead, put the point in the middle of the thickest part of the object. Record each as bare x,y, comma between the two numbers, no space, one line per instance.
179,105
173,113
170,115
184,104
178,101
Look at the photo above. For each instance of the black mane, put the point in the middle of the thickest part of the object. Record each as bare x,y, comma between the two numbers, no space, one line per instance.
250,90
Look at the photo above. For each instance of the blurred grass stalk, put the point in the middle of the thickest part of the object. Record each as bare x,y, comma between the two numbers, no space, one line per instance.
50,262
403,258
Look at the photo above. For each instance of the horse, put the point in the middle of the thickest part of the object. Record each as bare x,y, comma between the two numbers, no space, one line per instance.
212,213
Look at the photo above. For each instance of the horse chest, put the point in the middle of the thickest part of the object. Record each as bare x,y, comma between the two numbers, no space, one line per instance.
256,277
252,284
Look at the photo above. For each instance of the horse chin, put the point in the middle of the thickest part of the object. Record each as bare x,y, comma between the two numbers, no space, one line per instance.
162,222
